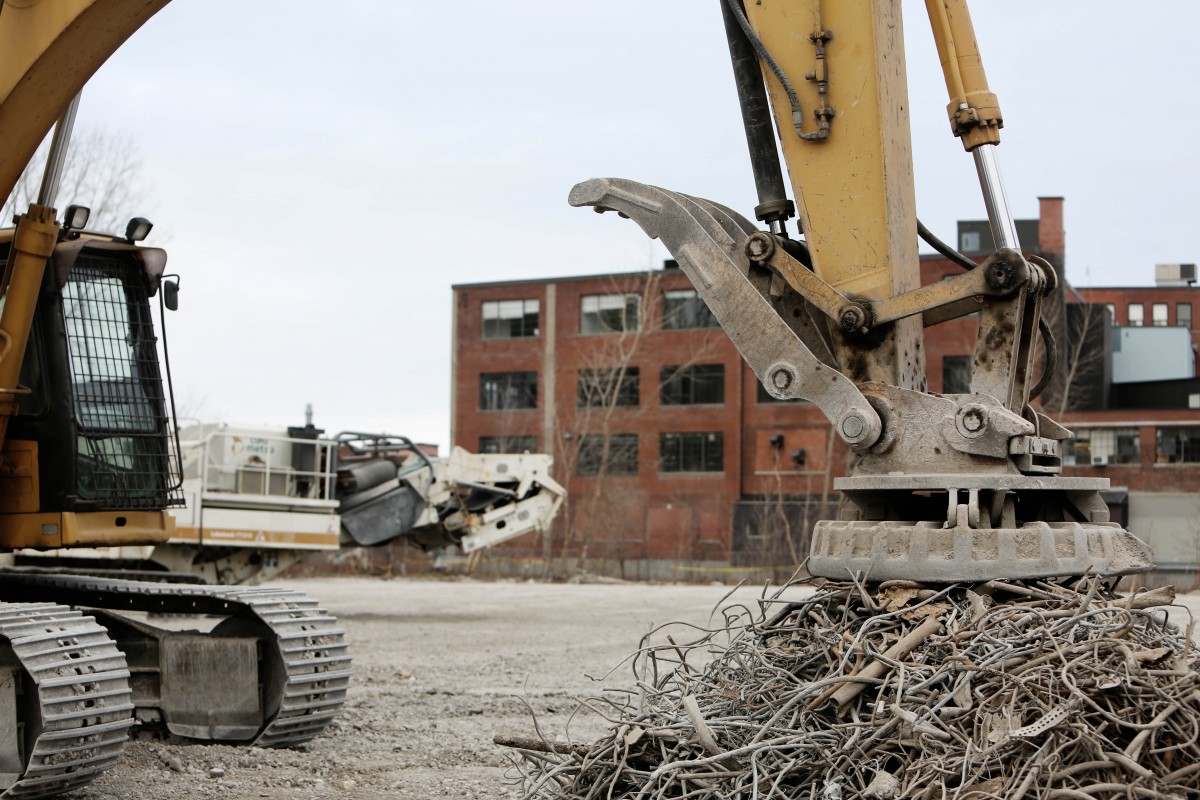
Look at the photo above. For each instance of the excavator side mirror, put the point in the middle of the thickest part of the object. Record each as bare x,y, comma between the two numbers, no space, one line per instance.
170,290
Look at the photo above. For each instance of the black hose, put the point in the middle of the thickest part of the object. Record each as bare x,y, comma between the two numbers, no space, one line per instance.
739,14
773,205
1051,358
1043,327
943,248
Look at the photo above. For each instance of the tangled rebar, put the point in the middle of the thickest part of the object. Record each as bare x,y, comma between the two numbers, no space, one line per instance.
1041,690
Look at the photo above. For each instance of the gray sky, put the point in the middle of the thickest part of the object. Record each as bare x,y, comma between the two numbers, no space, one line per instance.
322,173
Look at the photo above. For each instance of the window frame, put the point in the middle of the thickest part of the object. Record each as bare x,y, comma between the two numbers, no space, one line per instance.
623,455
690,312
523,319
1155,320
630,307
679,385
959,362
1190,445
1123,444
673,457
530,390
507,445
1141,315
613,387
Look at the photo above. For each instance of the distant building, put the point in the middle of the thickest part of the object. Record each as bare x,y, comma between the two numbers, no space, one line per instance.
680,466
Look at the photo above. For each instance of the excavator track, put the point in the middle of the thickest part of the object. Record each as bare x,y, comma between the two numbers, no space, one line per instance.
78,679
306,657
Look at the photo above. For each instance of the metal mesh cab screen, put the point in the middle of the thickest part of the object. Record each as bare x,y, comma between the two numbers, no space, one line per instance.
126,456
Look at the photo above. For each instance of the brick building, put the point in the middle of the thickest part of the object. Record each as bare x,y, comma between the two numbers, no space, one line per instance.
679,465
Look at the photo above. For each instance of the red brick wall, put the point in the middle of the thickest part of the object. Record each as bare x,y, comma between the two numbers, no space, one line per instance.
1148,475
686,517
617,516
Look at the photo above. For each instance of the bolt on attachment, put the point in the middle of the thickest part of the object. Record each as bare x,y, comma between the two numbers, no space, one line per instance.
852,320
760,246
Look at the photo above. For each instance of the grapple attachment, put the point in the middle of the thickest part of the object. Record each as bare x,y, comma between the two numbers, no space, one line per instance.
944,488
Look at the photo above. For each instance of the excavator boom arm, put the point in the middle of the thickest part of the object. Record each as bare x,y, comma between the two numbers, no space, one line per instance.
48,51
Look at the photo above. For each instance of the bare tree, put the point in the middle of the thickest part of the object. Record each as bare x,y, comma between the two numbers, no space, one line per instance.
1083,351
773,529
103,171
596,438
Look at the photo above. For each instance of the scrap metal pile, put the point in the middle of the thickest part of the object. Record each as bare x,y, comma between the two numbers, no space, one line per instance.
1039,690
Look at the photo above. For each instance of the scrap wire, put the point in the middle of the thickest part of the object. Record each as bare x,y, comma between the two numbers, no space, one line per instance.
1034,690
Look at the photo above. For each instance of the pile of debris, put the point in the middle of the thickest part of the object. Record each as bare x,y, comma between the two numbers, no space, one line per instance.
1041,690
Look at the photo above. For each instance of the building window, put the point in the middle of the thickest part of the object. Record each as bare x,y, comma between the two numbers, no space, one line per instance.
956,375
968,241
1178,446
683,309
507,444
1137,315
698,384
500,391
621,458
1183,315
1112,313
1100,446
1158,315
609,313
691,452
605,388
510,319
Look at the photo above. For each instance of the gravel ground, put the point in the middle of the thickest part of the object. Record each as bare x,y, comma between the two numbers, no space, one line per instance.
440,667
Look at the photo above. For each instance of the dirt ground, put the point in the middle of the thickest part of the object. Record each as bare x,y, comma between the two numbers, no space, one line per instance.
440,667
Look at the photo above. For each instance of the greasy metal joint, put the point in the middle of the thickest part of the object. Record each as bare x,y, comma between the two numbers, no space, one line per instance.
760,247
854,428
853,319
1007,270
782,378
999,275
971,420
1046,272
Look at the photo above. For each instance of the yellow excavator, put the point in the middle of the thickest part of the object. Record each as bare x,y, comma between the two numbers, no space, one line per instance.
943,488
89,459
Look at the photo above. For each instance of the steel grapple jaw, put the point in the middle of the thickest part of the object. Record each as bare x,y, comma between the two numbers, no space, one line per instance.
709,241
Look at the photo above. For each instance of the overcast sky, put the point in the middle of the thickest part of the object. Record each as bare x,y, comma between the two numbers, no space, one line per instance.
322,173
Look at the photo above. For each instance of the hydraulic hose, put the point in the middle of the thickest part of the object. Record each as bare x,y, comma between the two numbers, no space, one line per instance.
1043,327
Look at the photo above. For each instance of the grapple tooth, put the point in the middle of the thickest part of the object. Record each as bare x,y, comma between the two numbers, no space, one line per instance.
931,553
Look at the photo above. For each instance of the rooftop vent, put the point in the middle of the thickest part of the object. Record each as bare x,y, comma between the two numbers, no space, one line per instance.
1174,274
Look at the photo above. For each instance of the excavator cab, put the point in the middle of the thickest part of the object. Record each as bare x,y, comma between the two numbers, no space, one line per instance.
90,457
